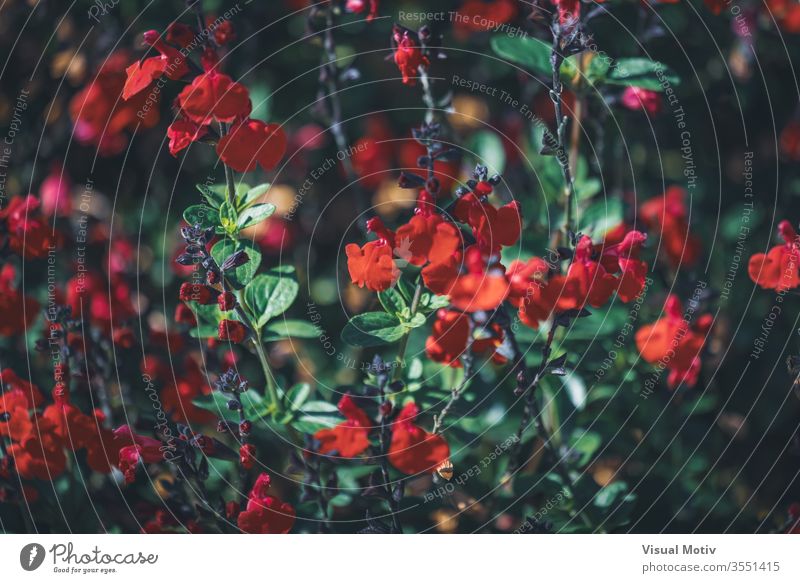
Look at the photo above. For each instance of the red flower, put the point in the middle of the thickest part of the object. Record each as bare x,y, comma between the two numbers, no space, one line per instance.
408,56
182,132
232,331
778,269
412,449
179,393
29,234
265,514
427,237
493,228
450,335
372,266
141,74
197,292
480,288
214,95
247,456
636,98
55,192
140,448
226,301
669,216
674,344
350,438
479,15
359,6
252,141
101,116
17,311
39,455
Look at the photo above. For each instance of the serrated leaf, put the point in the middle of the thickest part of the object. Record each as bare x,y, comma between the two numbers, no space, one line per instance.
270,295
200,214
255,214
373,329
242,275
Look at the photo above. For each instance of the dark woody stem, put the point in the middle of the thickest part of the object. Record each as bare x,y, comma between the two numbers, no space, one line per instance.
556,58
455,393
533,412
384,438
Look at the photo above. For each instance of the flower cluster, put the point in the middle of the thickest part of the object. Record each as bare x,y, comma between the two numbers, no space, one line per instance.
210,97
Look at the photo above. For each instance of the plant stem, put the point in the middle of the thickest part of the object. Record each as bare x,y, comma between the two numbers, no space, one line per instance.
229,179
272,388
455,392
401,351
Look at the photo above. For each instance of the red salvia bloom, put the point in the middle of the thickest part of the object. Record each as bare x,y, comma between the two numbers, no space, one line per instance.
780,268
408,56
142,73
232,331
492,227
101,116
635,98
450,336
480,288
265,514
39,455
480,16
372,266
674,344
668,216
214,95
360,6
247,456
182,132
412,449
138,448
29,234
350,438
427,237
252,142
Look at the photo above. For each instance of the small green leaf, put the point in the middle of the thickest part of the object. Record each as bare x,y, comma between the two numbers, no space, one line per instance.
525,51
392,301
253,195
240,276
586,443
289,329
373,329
615,492
255,214
644,73
208,318
270,295
415,322
298,395
215,194
255,407
200,214
316,415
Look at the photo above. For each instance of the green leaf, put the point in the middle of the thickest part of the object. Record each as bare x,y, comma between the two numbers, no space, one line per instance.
298,395
602,216
613,493
215,194
200,214
240,276
415,322
289,329
525,51
373,329
316,415
208,318
392,301
488,149
255,214
270,295
644,73
253,195
586,443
